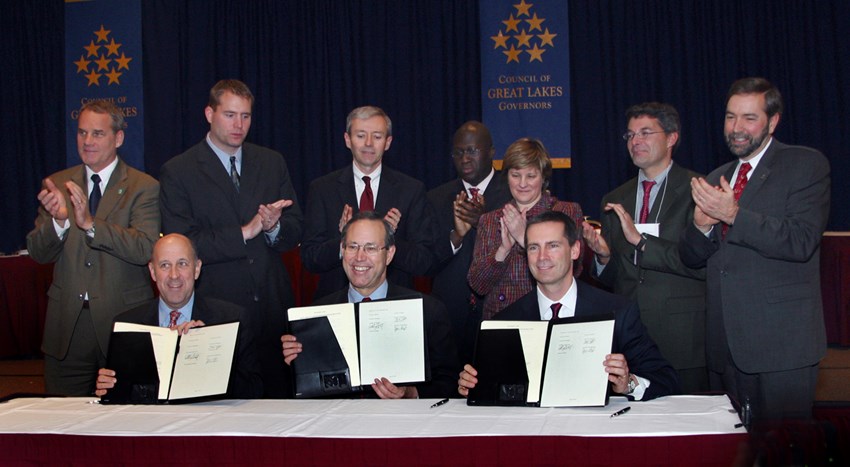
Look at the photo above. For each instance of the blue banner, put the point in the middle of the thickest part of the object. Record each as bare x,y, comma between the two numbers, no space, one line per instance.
103,60
525,74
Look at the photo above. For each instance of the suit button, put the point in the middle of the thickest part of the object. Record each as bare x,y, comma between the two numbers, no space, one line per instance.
82,296
88,264
501,297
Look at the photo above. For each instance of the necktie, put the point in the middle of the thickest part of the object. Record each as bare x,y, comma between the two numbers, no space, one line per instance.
94,198
234,174
366,299
556,307
174,316
644,209
473,193
740,184
367,202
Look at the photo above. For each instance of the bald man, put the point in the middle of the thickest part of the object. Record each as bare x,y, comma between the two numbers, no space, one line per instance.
174,267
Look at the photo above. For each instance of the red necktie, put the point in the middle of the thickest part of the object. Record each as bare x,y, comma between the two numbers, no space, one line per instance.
174,315
366,299
367,202
740,184
473,193
556,307
644,209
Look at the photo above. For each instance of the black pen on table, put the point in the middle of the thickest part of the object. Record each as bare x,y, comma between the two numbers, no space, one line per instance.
620,412
439,403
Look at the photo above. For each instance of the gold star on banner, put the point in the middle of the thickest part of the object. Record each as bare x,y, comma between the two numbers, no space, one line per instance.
536,54
113,77
102,63
102,34
91,49
522,8
534,23
511,23
82,64
547,38
94,78
513,54
523,38
123,62
501,40
112,47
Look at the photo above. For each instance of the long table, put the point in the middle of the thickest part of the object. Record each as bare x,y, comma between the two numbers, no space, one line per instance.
696,430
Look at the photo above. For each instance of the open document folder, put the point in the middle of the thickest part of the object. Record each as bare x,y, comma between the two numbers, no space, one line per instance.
538,363
349,345
154,365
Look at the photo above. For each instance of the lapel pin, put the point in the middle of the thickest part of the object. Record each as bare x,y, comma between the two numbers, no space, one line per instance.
120,191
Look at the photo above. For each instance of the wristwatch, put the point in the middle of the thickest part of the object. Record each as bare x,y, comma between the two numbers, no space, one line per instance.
632,384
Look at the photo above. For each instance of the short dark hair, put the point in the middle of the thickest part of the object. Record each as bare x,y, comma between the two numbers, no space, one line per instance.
757,85
233,86
528,152
101,106
666,115
570,228
389,235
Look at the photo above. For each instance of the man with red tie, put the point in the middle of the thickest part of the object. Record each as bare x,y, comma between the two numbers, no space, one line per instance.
757,229
635,367
637,254
366,185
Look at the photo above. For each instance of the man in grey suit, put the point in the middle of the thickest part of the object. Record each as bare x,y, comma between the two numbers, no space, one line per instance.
637,251
367,184
757,229
236,202
98,222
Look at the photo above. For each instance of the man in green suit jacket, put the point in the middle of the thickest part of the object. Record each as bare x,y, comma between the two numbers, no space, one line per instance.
100,249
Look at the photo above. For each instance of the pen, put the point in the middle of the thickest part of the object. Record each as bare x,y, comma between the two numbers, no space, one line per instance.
439,403
620,412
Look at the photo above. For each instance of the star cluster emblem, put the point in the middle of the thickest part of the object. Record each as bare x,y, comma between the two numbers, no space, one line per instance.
102,60
523,36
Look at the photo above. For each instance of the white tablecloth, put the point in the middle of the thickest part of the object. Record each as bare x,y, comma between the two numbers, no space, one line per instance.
668,416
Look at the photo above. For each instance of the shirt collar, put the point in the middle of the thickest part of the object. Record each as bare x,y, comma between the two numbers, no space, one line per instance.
379,294
659,179
185,312
225,157
482,187
375,175
754,161
568,303
104,174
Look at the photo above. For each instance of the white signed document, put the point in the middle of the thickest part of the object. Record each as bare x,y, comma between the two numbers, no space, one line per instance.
341,318
392,341
574,375
195,365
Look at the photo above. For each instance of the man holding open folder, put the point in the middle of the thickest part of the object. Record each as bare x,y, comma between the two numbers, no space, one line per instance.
174,267
636,367
368,246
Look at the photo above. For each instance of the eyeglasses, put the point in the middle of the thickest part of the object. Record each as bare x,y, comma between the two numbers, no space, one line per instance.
370,248
642,134
471,152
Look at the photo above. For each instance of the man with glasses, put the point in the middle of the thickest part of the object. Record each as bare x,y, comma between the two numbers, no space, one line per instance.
457,206
636,254
366,185
368,247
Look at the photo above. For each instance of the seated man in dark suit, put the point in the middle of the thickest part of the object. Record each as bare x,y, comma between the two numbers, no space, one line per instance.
635,368
174,267
368,247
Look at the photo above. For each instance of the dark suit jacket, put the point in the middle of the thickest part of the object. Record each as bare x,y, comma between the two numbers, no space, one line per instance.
630,336
442,356
325,200
111,267
198,200
671,296
764,295
449,271
245,382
